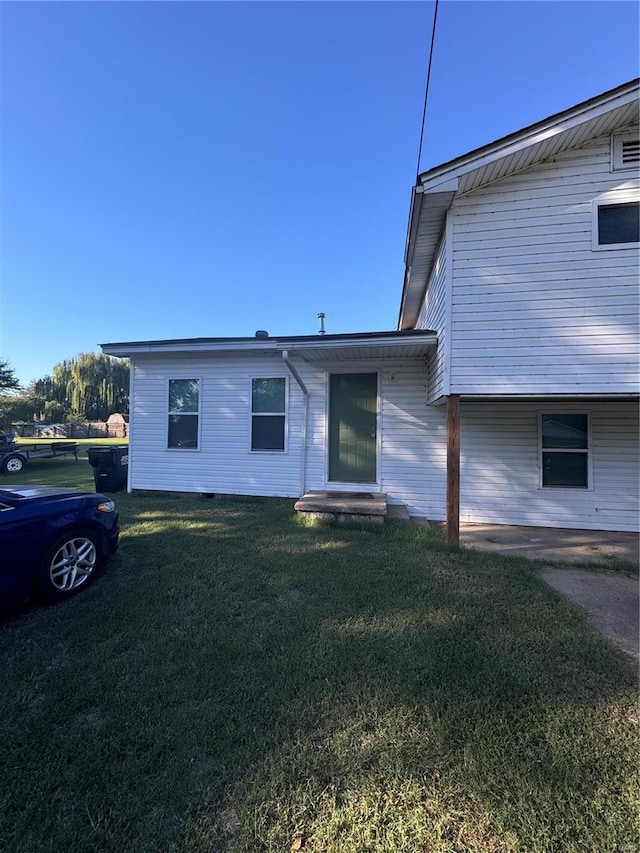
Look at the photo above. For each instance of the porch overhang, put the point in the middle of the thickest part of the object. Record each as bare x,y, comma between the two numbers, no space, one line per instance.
391,345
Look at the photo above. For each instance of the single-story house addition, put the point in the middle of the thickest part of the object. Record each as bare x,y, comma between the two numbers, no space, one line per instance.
508,394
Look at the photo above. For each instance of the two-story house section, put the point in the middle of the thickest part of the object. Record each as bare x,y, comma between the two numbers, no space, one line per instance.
509,392
523,256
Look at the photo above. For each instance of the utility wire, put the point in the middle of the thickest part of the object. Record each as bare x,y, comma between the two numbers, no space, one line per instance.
426,88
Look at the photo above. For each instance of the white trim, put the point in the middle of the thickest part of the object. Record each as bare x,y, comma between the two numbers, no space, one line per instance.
197,414
338,485
620,196
448,304
285,449
566,410
541,131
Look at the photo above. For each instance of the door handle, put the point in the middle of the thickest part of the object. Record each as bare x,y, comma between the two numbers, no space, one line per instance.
373,435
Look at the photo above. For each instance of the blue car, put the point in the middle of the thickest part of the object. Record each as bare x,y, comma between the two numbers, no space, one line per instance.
52,540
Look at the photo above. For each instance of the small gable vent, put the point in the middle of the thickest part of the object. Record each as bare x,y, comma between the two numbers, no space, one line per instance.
631,152
625,151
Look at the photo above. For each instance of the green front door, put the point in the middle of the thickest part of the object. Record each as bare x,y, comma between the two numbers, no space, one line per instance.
353,404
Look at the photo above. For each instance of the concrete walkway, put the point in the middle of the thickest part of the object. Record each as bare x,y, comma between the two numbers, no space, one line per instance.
611,600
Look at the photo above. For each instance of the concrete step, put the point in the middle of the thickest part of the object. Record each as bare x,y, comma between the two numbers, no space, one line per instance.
343,506
398,512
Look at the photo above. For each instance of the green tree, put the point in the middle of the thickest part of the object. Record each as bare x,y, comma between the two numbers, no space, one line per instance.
14,409
92,386
54,412
8,379
89,387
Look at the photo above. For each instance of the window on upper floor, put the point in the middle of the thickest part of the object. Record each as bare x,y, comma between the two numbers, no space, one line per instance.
268,414
184,414
616,223
564,450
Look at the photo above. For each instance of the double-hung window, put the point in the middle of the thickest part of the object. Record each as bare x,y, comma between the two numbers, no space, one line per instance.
184,414
564,450
269,414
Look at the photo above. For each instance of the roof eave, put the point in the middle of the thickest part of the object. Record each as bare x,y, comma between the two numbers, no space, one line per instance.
270,345
514,142
437,187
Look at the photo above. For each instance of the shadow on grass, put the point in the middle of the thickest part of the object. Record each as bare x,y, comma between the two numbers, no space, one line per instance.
240,680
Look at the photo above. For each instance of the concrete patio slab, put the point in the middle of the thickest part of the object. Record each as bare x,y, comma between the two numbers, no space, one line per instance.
552,544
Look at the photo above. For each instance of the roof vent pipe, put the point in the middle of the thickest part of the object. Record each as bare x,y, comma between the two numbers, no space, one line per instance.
260,333
321,319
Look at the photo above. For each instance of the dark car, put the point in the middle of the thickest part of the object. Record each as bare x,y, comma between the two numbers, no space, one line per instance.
52,540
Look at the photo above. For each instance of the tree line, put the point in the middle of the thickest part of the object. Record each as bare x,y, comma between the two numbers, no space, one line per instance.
89,387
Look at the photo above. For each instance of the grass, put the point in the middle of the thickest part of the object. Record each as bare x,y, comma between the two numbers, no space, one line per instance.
237,681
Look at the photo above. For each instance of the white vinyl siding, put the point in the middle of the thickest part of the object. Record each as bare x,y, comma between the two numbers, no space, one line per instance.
413,436
534,309
225,463
500,474
434,315
500,467
414,448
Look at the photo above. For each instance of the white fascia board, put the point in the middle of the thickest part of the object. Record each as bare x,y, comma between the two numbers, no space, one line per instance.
353,343
431,181
450,185
437,199
124,350
271,345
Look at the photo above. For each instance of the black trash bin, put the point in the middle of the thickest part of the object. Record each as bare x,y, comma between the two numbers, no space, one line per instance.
110,467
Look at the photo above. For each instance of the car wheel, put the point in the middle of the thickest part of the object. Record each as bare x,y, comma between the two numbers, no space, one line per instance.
13,464
69,564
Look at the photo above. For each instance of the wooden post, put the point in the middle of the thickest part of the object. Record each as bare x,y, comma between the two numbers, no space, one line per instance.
453,470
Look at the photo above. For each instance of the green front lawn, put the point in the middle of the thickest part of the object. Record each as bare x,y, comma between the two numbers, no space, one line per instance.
238,681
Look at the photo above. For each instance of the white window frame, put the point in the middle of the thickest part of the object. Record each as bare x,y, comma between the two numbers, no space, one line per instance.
631,196
253,414
617,141
197,414
566,410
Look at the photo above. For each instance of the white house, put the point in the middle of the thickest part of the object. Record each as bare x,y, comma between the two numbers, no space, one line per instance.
508,394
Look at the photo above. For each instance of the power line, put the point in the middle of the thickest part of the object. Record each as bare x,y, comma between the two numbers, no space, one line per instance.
426,88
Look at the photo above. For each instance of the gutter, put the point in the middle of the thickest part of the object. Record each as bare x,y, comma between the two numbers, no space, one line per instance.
305,418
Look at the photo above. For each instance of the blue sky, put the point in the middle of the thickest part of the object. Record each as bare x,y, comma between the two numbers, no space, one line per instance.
207,169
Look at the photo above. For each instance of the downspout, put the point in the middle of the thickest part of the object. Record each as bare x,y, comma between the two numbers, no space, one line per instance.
131,370
305,416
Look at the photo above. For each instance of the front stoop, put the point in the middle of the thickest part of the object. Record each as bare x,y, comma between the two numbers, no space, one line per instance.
344,506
